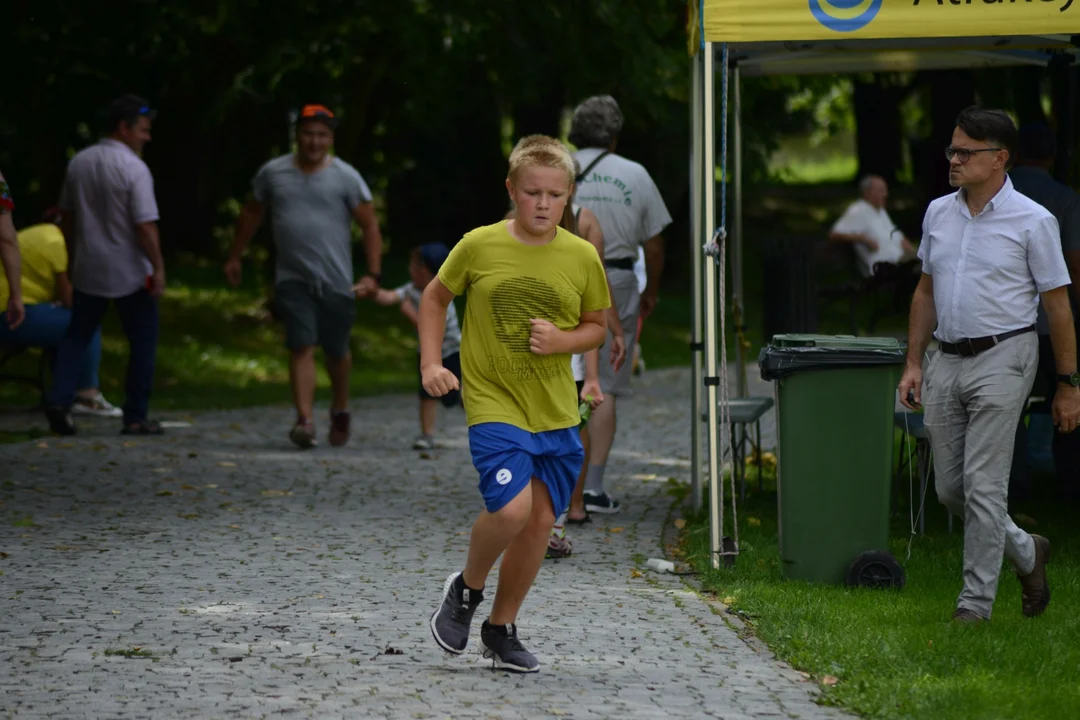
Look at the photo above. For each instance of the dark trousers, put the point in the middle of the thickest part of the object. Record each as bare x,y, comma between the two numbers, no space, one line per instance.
139,318
1066,446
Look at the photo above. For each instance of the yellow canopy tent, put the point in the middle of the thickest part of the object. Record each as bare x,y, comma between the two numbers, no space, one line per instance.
774,37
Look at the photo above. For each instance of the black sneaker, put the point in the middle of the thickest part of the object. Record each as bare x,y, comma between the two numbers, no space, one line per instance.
601,503
451,622
500,643
60,420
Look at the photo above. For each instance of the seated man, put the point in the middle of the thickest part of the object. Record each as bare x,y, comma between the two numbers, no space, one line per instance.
47,297
867,225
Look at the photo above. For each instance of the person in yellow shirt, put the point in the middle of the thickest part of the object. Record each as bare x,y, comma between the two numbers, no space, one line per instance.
536,295
47,297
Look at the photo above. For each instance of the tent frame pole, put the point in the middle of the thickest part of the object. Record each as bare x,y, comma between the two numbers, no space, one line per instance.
711,323
696,233
739,235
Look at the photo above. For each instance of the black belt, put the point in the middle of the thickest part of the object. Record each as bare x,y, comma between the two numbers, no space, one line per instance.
621,263
974,346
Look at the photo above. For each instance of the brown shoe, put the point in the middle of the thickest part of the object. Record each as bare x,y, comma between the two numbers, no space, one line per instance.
339,428
303,434
963,615
1035,595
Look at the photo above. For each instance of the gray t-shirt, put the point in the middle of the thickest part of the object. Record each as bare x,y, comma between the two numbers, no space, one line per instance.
626,202
110,191
452,335
311,220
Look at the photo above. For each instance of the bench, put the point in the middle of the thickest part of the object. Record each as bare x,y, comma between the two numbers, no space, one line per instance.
744,412
9,352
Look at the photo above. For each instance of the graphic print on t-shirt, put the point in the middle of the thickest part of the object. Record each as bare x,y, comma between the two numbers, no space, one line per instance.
514,303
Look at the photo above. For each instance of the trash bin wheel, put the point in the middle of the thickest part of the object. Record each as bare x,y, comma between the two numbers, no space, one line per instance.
876,569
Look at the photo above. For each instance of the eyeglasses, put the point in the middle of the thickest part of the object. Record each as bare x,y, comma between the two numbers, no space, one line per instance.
964,154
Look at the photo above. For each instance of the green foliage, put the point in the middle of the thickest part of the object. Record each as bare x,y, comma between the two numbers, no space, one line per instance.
421,86
220,349
429,93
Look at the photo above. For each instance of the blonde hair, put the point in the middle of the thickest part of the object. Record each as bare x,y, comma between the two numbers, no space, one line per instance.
540,151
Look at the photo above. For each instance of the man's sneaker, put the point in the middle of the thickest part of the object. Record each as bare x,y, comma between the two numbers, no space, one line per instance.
451,622
601,503
1035,593
60,420
339,428
95,404
303,434
500,644
424,442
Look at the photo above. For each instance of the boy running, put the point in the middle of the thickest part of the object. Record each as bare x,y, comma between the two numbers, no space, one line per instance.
537,295
424,264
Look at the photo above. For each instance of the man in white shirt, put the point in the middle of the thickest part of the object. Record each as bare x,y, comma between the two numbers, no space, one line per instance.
110,217
989,253
866,225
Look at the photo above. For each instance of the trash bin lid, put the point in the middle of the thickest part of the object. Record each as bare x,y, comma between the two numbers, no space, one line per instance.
789,354
841,342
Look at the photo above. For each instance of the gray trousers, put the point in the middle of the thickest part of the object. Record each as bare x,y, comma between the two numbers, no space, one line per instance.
624,290
972,406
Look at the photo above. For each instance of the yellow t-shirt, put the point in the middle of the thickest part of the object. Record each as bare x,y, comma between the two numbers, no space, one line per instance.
43,255
509,283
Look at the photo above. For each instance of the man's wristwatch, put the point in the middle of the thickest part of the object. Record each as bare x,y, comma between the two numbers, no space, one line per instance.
1072,379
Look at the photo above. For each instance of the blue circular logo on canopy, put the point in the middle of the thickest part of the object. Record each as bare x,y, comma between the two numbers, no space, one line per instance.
850,24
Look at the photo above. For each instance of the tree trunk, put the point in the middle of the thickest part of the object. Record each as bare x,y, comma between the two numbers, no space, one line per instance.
452,186
1027,94
950,92
1063,78
879,135
543,115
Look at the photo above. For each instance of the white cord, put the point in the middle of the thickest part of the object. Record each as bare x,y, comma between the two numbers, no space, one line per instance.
911,478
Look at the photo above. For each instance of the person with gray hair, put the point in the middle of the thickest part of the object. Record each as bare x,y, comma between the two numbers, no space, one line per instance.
866,224
632,213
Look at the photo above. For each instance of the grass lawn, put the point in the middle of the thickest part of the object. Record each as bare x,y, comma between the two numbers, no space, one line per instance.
219,349
895,654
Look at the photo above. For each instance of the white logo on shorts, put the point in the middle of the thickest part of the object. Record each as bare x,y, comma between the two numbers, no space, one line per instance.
504,476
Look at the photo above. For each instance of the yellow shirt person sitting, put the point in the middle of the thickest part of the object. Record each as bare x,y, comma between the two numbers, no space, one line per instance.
47,297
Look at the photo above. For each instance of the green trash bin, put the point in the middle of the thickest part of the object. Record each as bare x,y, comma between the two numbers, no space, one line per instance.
835,398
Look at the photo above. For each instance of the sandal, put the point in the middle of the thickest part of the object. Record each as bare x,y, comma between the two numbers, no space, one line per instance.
579,521
558,548
143,427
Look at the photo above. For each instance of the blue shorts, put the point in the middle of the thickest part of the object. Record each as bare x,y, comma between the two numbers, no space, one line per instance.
508,457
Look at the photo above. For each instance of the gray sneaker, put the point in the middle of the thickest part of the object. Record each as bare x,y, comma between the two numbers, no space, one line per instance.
303,434
451,622
500,643
424,442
